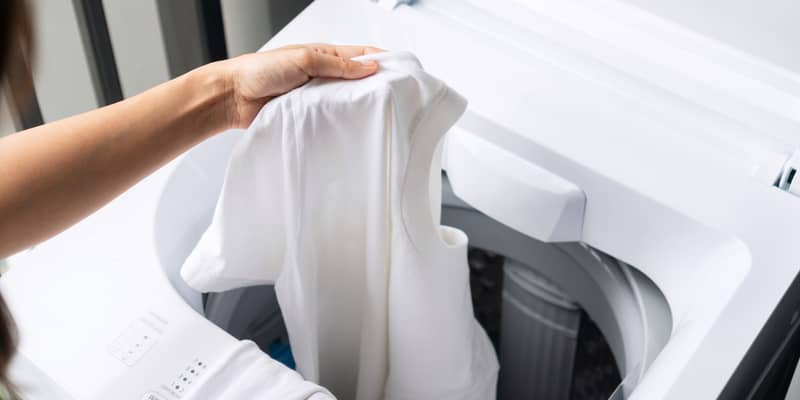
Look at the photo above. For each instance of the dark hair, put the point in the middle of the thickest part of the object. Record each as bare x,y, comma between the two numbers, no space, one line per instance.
16,45
8,344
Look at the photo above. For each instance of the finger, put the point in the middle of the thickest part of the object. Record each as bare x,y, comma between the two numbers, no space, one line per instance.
347,51
319,64
340,51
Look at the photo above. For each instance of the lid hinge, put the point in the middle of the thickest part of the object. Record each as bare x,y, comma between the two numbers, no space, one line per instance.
789,180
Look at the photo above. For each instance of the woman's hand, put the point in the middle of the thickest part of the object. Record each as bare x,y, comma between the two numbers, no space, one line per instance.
256,78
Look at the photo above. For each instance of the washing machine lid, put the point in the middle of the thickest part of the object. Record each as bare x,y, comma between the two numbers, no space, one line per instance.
650,44
555,70
675,140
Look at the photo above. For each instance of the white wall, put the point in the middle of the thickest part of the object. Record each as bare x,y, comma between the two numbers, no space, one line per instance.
62,77
138,44
7,120
247,25
794,388
250,23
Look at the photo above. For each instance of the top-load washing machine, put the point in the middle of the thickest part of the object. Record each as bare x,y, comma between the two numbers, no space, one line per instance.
628,188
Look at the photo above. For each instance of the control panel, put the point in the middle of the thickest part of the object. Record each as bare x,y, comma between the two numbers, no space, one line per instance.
181,383
130,346
189,375
150,350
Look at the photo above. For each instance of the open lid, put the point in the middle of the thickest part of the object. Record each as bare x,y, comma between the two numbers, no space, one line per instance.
658,53
767,30
604,74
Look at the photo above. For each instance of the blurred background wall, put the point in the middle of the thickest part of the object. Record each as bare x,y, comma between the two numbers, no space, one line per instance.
91,53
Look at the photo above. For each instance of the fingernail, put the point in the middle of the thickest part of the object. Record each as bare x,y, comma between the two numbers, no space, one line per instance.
369,64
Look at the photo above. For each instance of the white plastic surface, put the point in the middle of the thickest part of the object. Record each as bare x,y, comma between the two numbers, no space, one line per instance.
514,191
789,179
653,123
391,4
99,319
96,313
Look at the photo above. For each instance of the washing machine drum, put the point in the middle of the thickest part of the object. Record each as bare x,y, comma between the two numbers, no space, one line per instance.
567,321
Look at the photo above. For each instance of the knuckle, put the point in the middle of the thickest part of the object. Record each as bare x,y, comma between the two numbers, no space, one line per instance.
306,58
344,65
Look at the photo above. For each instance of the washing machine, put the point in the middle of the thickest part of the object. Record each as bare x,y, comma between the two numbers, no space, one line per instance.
627,185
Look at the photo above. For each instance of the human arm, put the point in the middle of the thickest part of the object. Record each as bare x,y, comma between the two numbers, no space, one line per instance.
53,175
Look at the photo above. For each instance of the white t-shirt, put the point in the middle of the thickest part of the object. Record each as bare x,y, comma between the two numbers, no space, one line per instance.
248,373
327,195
